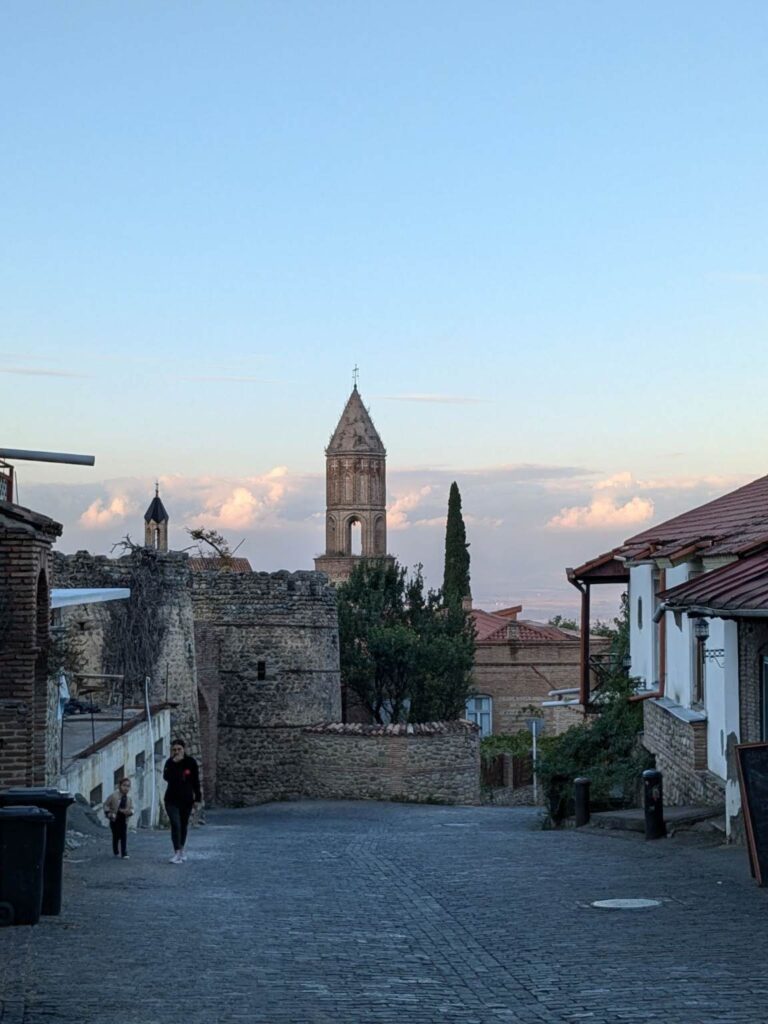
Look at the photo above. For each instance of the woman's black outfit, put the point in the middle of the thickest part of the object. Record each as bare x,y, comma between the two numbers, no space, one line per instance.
183,778
120,830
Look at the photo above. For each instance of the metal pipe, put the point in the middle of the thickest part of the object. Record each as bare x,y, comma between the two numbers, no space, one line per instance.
581,800
653,802
29,456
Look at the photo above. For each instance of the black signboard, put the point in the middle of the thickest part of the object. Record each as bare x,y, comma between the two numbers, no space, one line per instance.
753,779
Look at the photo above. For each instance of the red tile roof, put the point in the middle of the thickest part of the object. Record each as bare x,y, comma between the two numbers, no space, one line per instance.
738,587
729,525
492,628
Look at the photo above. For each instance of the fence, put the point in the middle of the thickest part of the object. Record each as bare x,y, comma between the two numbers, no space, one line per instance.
512,771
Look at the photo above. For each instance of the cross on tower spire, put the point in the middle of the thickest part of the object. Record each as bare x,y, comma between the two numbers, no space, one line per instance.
355,376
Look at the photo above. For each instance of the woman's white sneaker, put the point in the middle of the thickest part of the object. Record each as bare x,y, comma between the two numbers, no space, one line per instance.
175,859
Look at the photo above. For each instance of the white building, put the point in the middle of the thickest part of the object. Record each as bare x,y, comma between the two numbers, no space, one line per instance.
698,604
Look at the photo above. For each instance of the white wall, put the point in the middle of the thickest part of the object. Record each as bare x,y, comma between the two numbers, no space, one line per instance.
679,646
715,698
641,639
84,775
731,704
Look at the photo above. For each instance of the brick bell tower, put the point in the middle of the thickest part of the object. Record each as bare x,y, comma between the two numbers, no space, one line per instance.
356,492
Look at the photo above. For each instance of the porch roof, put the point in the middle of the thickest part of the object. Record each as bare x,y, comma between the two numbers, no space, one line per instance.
737,589
605,568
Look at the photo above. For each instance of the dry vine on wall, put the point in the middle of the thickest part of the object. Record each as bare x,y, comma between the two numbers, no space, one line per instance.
136,628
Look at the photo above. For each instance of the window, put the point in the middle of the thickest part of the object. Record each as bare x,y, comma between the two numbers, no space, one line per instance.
159,747
479,711
96,797
699,678
140,761
119,774
639,613
261,670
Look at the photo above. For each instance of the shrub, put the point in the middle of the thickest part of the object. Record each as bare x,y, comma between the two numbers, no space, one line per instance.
607,750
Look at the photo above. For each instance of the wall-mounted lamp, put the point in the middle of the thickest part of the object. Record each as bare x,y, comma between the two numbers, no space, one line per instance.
701,629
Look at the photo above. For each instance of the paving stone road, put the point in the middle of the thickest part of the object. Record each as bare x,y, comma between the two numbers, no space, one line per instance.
369,913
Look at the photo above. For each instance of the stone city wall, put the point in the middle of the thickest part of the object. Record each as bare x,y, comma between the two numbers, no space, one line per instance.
173,676
433,762
268,647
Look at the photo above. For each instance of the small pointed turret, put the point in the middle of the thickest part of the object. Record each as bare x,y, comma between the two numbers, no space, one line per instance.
156,524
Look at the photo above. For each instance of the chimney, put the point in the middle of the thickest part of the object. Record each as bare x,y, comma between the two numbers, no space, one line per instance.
513,631
466,603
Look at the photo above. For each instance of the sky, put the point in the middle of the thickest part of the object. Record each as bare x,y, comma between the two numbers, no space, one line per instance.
538,228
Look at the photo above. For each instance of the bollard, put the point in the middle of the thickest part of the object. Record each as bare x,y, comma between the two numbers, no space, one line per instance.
558,799
581,800
653,802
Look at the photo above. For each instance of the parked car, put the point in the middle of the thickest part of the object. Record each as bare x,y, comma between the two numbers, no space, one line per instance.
81,707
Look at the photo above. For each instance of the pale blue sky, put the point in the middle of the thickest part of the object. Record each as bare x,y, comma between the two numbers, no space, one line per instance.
555,210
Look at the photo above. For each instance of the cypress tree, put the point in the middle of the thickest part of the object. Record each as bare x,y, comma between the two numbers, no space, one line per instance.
456,575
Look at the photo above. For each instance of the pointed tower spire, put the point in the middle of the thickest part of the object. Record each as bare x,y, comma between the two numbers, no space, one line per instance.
156,523
356,491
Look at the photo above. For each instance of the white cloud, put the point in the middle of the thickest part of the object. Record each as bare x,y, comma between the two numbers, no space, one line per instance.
397,513
228,505
26,372
603,512
623,479
98,515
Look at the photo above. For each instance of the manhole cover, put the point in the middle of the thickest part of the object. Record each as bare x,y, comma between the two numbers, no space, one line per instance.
625,904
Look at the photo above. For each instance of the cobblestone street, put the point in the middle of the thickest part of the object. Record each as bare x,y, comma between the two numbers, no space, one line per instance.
355,913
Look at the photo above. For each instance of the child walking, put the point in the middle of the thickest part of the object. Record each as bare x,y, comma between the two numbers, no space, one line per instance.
118,808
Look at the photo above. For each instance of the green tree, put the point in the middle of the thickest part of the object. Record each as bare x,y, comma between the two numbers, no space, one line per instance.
403,655
456,574
618,633
564,623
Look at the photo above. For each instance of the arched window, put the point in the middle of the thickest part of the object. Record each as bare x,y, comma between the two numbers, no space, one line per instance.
480,711
355,538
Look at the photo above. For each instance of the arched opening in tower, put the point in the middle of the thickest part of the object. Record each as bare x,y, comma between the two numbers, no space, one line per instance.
355,538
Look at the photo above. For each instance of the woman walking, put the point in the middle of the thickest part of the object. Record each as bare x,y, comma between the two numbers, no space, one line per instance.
181,797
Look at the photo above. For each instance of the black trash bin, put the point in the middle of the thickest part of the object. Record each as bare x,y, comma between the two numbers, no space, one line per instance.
56,803
22,856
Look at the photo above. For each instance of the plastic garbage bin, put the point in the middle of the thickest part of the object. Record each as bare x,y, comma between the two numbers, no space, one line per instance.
56,803
22,856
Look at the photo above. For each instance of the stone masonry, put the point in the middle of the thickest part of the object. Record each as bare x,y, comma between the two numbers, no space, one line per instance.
173,677
678,739
432,762
267,646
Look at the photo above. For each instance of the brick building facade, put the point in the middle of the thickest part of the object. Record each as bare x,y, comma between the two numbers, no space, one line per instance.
26,705
518,663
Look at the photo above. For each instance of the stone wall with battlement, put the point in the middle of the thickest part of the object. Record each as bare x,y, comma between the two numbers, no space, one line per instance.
173,677
268,649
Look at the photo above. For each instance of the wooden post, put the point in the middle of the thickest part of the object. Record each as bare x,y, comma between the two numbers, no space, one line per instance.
584,681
